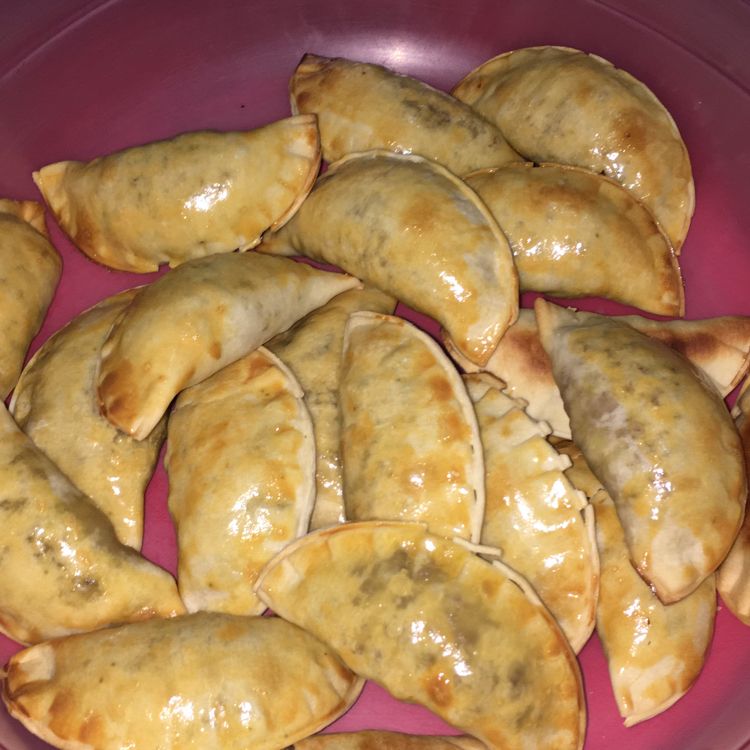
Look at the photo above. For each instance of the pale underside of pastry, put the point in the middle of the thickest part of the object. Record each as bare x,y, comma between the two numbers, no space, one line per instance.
543,526
55,404
312,350
435,624
556,104
575,233
657,434
374,740
195,320
415,231
654,651
241,465
29,271
719,346
64,570
210,681
410,442
197,194
361,106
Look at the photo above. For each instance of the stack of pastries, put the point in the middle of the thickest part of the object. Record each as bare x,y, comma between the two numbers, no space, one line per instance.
450,516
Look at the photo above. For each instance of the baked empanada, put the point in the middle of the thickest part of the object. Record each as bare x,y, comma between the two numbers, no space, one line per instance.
657,434
55,404
197,194
575,233
241,465
720,347
556,104
654,651
435,624
410,444
312,350
29,271
415,231
63,569
543,526
361,106
209,681
195,320
373,740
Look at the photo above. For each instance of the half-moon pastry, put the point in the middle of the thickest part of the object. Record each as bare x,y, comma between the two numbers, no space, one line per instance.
197,319
209,681
312,350
241,465
543,526
654,651
29,271
197,194
375,740
719,346
361,106
410,443
415,231
556,104
657,434
575,233
435,624
63,569
55,404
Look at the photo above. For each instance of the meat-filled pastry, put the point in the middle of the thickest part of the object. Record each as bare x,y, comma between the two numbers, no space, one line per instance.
361,106
733,579
543,526
197,194
435,624
410,442
720,347
29,271
575,233
657,434
312,350
374,740
654,651
197,319
415,231
63,569
241,465
54,403
556,104
210,681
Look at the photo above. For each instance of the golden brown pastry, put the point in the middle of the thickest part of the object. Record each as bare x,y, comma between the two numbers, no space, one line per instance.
575,233
556,104
532,513
415,231
29,271
55,404
437,625
63,569
209,681
197,194
657,434
374,740
312,350
410,443
197,319
654,651
241,465
361,106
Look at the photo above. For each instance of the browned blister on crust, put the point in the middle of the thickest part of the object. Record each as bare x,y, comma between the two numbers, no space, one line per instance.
197,194
361,106
375,740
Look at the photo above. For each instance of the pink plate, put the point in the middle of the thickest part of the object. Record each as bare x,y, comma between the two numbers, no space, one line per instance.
80,78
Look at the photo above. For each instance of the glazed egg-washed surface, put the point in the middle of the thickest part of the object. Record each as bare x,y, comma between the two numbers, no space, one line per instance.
415,231
361,106
197,194
390,740
437,625
658,435
410,442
